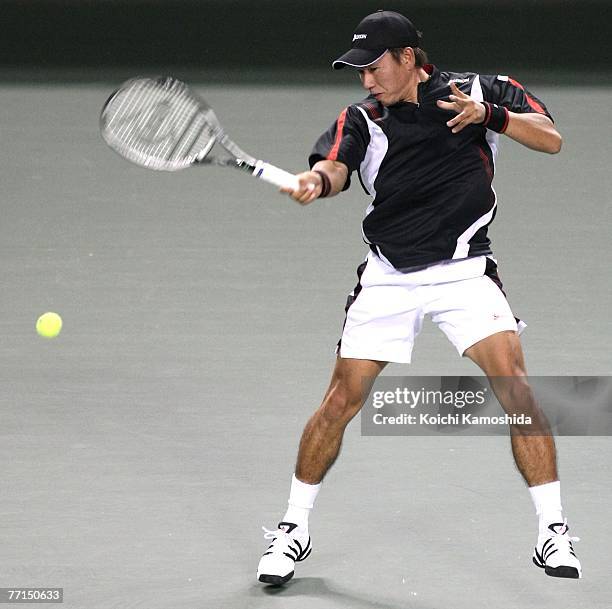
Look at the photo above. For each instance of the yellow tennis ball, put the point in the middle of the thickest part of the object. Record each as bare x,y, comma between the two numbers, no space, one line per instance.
49,325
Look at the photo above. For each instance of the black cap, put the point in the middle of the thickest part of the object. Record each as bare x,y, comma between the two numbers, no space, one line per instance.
374,35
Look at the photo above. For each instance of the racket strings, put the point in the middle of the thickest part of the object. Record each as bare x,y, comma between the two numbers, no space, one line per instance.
156,123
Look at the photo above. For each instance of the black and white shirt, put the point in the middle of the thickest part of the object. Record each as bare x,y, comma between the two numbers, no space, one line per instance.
432,194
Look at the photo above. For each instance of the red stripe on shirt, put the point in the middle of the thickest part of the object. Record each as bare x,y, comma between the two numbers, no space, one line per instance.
532,102
485,160
333,153
372,111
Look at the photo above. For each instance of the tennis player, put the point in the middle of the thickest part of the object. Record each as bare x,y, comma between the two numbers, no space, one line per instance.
424,144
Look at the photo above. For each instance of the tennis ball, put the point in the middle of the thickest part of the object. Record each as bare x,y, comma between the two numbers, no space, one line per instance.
49,325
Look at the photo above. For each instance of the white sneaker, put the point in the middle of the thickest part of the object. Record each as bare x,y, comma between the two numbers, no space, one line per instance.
555,554
277,564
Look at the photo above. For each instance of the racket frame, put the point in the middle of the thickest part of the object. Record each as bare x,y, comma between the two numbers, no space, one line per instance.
239,159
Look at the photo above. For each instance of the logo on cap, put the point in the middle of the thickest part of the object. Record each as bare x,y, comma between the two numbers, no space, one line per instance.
359,37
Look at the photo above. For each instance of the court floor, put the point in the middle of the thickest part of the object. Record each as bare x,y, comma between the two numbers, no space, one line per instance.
143,449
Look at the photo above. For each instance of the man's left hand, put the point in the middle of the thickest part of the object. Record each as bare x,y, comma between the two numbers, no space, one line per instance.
468,110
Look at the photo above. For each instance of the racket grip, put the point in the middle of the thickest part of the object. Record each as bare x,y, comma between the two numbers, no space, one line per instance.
275,175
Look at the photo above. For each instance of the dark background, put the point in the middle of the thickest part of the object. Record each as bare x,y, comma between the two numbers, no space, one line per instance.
242,40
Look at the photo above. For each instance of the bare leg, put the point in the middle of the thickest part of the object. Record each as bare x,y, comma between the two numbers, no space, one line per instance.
322,436
501,358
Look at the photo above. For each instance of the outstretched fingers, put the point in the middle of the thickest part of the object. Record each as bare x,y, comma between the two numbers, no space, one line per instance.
469,111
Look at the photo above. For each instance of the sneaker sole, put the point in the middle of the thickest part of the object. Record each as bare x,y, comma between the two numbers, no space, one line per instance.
275,580
568,572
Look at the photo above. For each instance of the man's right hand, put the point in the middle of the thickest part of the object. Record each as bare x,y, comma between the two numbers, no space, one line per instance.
312,185
310,188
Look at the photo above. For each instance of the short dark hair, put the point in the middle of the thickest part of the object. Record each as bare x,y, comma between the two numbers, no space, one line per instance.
420,56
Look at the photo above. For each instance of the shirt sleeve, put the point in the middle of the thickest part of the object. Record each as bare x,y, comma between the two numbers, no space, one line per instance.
345,141
507,92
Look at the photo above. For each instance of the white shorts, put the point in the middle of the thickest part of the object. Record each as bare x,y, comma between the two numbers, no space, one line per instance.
385,311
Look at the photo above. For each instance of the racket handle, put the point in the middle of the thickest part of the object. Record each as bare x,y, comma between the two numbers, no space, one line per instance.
275,175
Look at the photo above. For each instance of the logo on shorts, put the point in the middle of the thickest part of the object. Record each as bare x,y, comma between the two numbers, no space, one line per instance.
359,37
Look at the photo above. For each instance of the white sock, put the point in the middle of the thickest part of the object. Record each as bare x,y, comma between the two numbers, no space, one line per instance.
547,501
301,501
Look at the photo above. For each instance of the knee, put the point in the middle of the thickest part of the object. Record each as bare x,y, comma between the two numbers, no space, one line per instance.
341,404
515,394
511,379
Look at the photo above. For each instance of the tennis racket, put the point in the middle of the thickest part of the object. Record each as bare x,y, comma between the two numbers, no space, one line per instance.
162,124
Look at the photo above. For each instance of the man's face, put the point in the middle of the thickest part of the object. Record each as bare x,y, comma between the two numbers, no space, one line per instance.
388,80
